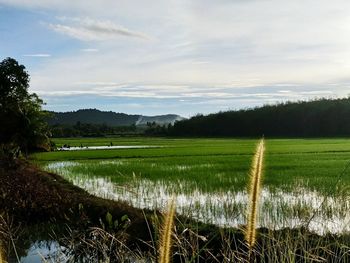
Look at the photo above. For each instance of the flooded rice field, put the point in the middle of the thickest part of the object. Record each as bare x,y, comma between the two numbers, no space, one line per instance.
305,182
299,206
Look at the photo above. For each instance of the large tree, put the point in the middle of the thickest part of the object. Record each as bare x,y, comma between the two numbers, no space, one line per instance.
22,121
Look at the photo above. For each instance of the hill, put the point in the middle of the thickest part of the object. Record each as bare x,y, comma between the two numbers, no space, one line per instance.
94,116
317,118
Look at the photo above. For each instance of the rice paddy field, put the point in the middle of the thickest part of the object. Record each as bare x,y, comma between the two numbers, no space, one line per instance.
305,181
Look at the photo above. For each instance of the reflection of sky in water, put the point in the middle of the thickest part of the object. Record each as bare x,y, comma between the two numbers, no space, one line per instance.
278,209
106,147
43,251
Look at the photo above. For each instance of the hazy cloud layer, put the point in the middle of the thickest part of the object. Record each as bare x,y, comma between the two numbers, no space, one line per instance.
204,55
186,101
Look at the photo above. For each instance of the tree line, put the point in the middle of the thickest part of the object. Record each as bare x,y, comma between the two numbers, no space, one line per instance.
317,118
81,129
92,130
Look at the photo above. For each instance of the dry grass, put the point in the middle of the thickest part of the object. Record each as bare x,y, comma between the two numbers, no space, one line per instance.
8,232
2,258
254,193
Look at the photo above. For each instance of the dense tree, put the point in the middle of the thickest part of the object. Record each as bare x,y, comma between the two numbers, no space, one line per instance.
154,129
21,117
317,118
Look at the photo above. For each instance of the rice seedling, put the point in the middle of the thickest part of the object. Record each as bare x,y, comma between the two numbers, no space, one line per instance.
254,193
209,179
166,234
214,164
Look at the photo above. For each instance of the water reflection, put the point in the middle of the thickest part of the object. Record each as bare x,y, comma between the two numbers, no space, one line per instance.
44,251
35,243
106,147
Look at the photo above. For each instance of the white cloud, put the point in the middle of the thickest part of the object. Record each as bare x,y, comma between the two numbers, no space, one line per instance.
40,55
89,50
97,83
87,29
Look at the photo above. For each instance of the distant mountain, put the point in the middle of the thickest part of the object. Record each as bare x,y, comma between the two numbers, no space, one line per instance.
94,116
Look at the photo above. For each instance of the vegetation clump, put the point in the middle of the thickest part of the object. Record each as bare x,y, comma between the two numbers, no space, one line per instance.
23,127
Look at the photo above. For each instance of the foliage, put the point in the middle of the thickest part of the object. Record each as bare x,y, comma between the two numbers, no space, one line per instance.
154,129
323,117
21,117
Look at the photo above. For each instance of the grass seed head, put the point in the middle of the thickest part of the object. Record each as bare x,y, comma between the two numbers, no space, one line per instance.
254,193
166,232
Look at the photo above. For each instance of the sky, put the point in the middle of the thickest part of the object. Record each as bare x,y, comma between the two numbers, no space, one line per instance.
178,56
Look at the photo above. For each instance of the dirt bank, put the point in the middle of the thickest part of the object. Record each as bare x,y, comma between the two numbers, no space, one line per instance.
32,196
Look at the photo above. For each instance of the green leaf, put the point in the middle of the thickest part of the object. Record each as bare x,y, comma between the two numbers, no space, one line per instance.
109,219
116,224
124,218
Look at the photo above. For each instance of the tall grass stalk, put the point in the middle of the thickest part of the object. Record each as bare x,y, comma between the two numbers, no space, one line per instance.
166,233
254,193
